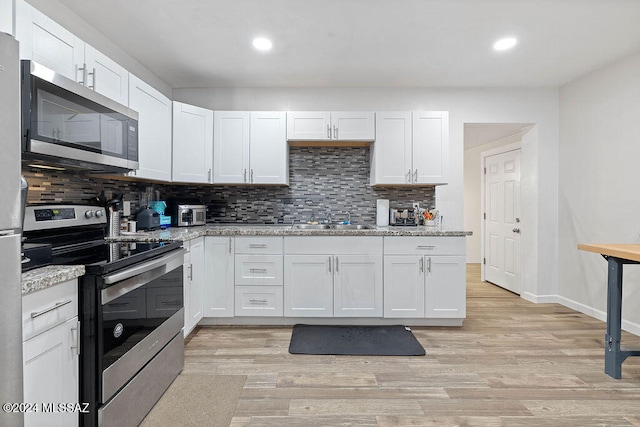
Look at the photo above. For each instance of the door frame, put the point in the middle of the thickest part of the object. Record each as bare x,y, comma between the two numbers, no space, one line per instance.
492,152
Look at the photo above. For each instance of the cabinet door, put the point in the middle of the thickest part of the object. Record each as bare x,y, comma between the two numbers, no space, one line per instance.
230,147
357,286
308,285
48,43
391,153
7,16
192,144
404,286
106,76
430,147
196,273
268,148
218,276
154,130
353,126
51,374
309,126
445,287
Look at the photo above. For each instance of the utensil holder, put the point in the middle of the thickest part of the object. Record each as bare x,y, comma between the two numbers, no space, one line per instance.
114,224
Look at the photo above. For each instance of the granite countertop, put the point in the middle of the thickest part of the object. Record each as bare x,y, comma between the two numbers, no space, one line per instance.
188,233
50,275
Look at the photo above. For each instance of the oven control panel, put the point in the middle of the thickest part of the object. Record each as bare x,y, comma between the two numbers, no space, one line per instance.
47,217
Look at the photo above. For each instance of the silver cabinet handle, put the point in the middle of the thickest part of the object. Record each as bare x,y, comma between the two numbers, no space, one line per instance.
209,175
516,230
425,247
257,270
257,245
415,176
429,265
421,265
76,344
328,132
409,176
190,271
47,310
83,80
258,301
330,261
335,132
251,175
93,75
337,267
229,244
245,175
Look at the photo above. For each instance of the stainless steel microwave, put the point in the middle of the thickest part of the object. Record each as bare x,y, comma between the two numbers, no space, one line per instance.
65,123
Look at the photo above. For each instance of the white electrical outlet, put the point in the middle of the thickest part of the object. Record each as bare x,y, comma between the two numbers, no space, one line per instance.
416,206
126,208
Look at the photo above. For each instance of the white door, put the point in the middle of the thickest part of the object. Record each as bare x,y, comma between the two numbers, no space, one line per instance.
430,147
403,286
192,144
268,148
502,224
308,285
353,126
230,147
357,286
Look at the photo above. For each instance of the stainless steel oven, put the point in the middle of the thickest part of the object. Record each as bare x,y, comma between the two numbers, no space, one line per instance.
66,123
131,311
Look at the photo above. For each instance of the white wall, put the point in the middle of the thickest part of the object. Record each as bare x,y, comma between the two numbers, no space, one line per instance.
599,192
472,191
536,105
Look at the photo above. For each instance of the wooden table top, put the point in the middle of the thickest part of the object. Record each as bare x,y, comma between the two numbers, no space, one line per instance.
618,250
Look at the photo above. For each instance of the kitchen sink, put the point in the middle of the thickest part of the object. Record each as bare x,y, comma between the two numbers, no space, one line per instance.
312,226
332,227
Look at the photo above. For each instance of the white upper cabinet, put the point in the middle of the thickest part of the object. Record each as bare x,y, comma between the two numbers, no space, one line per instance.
7,14
410,149
391,153
48,43
330,126
154,130
192,144
230,147
250,148
430,147
104,75
268,148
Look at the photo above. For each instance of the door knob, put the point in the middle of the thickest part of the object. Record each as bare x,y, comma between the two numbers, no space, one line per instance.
516,230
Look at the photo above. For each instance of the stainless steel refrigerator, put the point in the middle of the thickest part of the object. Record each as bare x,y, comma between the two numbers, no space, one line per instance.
10,232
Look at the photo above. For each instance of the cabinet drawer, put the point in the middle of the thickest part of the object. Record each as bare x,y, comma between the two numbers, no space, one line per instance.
42,310
259,245
424,246
337,245
258,301
259,270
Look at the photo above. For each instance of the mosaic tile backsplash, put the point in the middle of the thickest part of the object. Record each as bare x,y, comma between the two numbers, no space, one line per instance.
322,180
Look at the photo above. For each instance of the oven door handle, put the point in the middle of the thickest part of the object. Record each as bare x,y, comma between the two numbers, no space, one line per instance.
128,280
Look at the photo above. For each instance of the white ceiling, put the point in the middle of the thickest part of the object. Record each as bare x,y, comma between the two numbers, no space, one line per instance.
367,43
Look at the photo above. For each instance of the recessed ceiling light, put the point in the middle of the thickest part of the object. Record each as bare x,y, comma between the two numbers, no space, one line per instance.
261,43
505,43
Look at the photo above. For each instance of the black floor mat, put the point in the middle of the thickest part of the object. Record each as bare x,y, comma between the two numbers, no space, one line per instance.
393,340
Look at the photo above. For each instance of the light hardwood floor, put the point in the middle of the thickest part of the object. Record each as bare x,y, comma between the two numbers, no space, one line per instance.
512,363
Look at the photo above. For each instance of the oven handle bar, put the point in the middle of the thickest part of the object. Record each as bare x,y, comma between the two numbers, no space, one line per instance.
132,278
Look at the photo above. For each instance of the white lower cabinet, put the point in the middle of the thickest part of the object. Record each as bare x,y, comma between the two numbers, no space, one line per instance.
425,277
193,271
50,353
219,276
333,276
258,276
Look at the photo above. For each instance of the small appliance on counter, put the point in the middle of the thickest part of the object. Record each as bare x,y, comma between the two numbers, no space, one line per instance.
187,212
402,217
160,206
148,219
